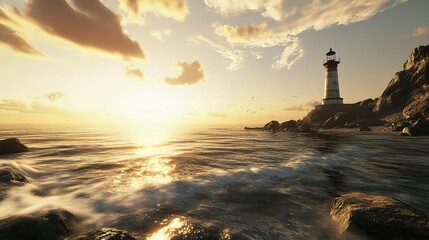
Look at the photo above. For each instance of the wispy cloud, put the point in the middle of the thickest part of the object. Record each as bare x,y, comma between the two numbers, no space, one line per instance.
420,31
87,23
160,35
133,72
34,107
216,114
176,9
290,19
305,107
234,56
191,73
12,39
54,96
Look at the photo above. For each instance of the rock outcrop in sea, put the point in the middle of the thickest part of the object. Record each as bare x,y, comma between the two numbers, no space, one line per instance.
54,224
377,217
9,178
12,145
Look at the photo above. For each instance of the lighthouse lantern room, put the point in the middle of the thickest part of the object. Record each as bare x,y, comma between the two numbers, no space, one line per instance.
332,90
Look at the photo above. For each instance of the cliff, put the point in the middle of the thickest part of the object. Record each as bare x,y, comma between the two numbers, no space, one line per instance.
408,91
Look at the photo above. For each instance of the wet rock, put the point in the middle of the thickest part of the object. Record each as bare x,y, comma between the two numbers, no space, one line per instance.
378,217
288,125
305,128
414,131
364,129
422,123
10,177
54,224
12,145
104,234
273,125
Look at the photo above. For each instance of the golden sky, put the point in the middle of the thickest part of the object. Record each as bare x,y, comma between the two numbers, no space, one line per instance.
194,61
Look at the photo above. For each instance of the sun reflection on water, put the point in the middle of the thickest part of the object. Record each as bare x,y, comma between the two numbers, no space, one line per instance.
177,226
145,173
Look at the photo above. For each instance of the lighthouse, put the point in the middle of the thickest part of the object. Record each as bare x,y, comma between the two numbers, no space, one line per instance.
332,89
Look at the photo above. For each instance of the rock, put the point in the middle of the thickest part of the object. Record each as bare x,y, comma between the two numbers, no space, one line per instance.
414,131
8,178
11,176
378,217
273,125
12,145
408,91
104,234
288,125
254,128
54,224
364,129
305,128
422,123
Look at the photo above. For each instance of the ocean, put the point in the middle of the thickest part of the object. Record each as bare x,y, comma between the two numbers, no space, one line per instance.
210,182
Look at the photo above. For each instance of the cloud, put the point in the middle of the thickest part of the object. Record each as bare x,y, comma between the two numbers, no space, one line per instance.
290,55
271,9
35,107
12,105
235,56
87,23
308,106
134,72
191,73
12,39
161,34
420,31
215,114
176,9
290,19
54,95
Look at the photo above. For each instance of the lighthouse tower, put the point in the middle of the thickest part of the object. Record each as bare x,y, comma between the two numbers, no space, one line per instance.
332,90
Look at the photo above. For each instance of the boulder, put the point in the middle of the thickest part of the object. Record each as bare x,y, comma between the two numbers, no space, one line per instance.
273,125
288,125
364,129
414,131
104,234
305,128
53,224
8,178
12,176
377,217
12,145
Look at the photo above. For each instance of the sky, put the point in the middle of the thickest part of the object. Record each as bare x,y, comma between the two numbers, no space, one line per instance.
195,61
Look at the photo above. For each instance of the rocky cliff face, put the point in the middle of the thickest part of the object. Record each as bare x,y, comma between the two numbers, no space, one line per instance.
408,91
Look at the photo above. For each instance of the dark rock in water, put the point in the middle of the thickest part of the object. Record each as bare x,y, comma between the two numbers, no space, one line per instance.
305,128
10,177
364,129
273,125
12,145
53,225
414,131
254,128
422,123
288,125
104,234
378,217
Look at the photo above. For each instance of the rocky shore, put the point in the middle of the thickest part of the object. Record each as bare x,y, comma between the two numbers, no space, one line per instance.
403,107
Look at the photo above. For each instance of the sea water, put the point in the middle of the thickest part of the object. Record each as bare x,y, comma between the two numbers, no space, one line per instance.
211,182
